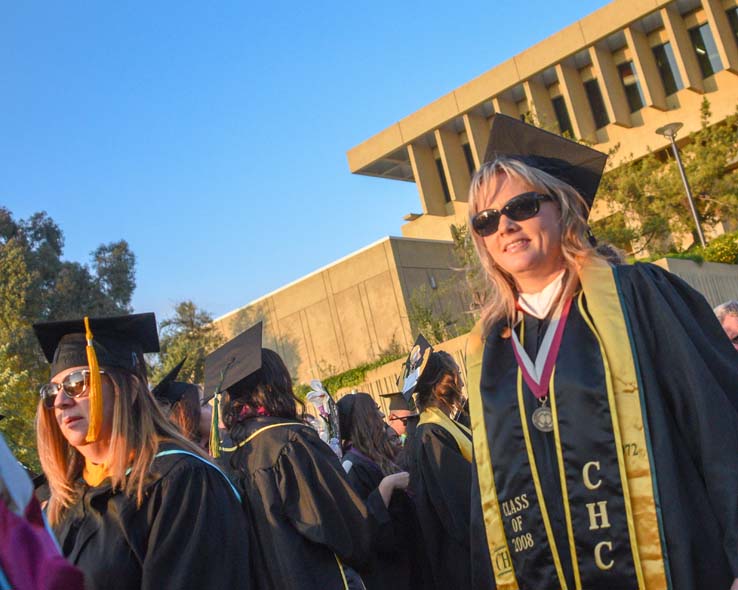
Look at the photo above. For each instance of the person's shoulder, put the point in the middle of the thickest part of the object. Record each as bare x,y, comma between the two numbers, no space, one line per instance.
173,460
429,432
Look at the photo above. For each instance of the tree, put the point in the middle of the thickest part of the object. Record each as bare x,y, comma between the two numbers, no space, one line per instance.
17,367
189,333
114,264
649,196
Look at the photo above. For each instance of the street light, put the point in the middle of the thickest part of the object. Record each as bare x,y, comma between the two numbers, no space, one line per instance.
670,132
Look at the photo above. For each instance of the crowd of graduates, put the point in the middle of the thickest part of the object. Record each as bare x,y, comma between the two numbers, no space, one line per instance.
591,442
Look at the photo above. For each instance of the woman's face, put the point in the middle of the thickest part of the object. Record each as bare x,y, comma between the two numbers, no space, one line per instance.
73,414
529,250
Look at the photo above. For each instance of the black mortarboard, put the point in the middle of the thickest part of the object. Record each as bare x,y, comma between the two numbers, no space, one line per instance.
119,341
396,401
234,361
574,163
168,389
414,366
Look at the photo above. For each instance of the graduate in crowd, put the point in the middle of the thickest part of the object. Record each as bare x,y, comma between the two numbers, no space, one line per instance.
310,529
133,503
603,398
369,459
440,464
727,315
186,407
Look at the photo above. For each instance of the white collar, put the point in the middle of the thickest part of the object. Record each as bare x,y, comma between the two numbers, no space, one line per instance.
539,304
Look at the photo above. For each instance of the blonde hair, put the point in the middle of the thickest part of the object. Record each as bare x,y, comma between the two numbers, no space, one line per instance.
575,245
138,428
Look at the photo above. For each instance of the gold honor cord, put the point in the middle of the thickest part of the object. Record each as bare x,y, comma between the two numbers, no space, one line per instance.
537,480
564,488
343,574
625,403
253,435
95,385
499,552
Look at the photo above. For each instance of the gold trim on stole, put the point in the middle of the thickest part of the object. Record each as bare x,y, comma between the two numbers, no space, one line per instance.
496,540
564,487
623,394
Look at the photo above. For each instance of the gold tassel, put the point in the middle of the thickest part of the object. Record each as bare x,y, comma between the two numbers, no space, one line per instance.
214,432
95,385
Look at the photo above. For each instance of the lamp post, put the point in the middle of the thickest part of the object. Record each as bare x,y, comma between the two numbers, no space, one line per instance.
670,132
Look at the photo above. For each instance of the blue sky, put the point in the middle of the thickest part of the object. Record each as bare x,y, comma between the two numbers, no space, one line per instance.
213,136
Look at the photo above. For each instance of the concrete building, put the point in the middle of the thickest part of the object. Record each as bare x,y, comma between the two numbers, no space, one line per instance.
611,78
350,312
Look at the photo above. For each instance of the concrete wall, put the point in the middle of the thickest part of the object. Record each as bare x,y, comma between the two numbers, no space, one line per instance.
349,312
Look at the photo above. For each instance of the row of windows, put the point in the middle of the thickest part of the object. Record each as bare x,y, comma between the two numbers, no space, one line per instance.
708,59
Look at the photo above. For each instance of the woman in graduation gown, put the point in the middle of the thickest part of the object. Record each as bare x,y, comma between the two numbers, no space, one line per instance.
603,398
369,461
440,469
185,406
133,504
311,530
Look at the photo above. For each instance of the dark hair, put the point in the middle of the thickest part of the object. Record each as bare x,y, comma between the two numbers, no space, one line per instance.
267,391
439,383
362,426
185,413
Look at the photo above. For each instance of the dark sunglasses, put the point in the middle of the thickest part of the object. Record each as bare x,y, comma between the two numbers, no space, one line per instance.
74,385
519,208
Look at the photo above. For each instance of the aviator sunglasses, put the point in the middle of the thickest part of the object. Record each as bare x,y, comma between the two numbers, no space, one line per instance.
519,208
74,385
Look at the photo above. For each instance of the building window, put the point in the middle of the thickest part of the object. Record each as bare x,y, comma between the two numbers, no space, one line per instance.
594,96
667,68
444,182
562,116
706,50
469,158
633,92
733,18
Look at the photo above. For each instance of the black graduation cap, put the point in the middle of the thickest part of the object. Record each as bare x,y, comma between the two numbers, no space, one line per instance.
234,361
414,367
119,341
574,163
170,390
396,401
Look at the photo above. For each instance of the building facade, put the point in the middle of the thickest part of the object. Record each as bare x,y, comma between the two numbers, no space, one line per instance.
611,78
352,311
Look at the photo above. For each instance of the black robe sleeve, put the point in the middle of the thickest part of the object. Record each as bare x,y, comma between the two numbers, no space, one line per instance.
690,379
319,502
196,514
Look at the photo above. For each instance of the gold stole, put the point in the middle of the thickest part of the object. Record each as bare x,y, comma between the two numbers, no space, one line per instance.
434,415
600,291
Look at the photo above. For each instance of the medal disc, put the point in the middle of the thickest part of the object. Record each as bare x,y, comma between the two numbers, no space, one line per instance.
543,419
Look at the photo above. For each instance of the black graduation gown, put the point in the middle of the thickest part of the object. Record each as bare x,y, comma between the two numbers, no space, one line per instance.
440,480
190,531
306,516
392,564
689,375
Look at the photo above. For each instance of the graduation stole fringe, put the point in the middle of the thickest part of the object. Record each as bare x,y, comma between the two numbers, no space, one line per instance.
640,518
461,434
95,385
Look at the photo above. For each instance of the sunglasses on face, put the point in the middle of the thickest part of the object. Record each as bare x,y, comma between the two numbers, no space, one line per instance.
74,386
519,208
